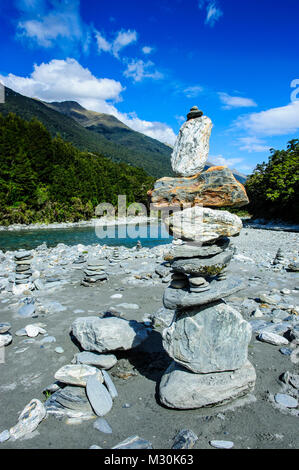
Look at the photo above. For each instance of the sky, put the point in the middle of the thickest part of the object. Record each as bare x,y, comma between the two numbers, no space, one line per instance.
149,62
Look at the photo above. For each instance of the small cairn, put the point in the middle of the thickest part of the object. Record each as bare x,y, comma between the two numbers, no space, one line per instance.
95,272
279,258
115,258
138,245
23,267
207,339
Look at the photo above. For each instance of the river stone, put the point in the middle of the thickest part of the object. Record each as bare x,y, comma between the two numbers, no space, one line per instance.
182,298
208,339
102,425
77,374
286,400
193,251
272,338
29,419
203,266
202,224
74,398
5,339
98,396
191,148
23,255
27,310
222,444
182,389
108,334
32,331
104,361
216,187
109,384
4,436
134,442
185,439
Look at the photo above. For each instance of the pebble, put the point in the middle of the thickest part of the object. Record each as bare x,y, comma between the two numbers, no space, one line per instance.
29,419
222,444
285,351
116,296
104,361
128,306
77,374
27,310
109,384
134,442
4,327
59,350
98,396
185,439
272,338
102,425
4,436
286,400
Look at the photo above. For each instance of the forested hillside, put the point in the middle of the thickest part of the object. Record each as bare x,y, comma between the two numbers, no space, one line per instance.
47,179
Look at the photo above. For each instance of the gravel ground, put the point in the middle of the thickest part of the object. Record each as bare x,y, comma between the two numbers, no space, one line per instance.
255,422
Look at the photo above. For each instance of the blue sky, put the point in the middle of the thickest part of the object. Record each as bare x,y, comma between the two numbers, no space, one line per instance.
148,63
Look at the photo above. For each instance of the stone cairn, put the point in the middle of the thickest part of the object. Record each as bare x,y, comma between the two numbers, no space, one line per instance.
23,267
95,272
207,339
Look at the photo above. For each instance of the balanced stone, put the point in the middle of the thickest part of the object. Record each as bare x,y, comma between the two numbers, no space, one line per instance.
182,389
77,374
202,224
108,334
216,187
109,384
98,396
181,298
208,339
198,281
203,266
194,113
74,398
191,148
104,361
194,251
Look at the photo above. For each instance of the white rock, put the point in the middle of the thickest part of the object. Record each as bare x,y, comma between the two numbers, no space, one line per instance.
272,338
222,444
34,330
191,148
5,339
29,419
77,374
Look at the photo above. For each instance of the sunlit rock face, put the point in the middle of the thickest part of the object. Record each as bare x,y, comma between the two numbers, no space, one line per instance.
191,148
216,187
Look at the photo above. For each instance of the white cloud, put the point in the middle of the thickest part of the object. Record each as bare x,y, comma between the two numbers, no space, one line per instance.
147,50
231,102
193,91
219,160
138,70
50,25
61,80
123,39
102,43
274,121
253,144
213,11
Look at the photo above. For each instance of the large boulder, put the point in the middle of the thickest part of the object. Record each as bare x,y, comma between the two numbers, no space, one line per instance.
181,389
208,339
108,334
202,224
216,187
191,148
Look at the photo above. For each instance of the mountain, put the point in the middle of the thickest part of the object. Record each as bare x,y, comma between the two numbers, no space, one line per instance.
133,148
97,132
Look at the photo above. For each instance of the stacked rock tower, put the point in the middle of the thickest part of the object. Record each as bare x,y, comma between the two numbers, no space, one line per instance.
207,340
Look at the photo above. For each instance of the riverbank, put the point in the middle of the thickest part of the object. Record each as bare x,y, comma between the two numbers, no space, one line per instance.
133,291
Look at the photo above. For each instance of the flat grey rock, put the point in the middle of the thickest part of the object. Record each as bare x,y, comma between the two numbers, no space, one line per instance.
104,361
203,266
27,310
77,374
185,439
108,334
182,298
286,400
101,425
193,251
98,396
222,444
74,398
182,389
109,384
134,442
208,339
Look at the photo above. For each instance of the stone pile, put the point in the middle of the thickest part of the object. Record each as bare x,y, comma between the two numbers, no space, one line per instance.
207,339
23,267
95,272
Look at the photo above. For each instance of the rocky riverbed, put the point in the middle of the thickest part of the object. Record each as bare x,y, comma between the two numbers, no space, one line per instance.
37,314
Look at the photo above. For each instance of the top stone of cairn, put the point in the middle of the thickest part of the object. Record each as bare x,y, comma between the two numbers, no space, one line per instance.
191,148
